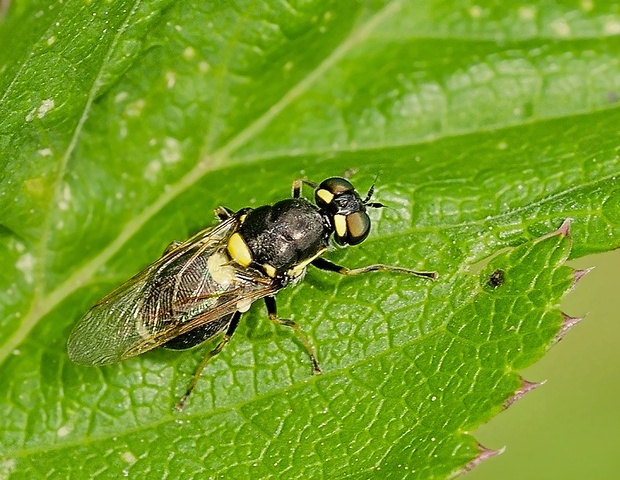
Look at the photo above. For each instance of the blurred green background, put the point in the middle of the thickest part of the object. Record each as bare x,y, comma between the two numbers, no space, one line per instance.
569,428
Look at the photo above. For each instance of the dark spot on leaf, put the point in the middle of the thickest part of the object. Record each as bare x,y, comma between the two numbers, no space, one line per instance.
497,278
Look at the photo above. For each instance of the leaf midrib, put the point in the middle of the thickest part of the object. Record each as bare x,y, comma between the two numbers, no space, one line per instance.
64,161
77,280
210,162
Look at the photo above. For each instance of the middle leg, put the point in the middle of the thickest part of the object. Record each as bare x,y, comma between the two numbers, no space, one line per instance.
270,303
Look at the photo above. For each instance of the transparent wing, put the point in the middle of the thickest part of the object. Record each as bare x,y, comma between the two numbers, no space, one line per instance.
186,288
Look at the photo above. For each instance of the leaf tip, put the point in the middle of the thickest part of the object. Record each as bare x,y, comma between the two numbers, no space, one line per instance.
483,454
579,274
526,387
568,323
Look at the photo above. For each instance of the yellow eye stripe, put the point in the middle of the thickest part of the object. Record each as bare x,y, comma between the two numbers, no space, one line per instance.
325,195
340,224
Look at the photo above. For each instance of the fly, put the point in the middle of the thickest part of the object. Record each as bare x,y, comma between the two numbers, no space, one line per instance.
199,288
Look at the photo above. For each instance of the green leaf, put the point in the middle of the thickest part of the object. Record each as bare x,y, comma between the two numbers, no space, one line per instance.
122,125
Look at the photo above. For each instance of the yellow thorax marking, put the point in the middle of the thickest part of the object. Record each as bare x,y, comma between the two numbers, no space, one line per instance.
299,268
270,270
238,250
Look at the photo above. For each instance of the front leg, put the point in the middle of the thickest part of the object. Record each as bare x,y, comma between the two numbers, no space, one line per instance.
223,213
332,267
297,184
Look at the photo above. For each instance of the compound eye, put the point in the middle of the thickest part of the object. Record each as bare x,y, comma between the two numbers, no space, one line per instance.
351,229
330,188
358,227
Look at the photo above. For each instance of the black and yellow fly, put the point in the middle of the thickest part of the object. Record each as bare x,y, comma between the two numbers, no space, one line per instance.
199,288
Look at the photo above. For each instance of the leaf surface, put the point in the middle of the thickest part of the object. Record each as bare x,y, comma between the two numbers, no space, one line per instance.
123,125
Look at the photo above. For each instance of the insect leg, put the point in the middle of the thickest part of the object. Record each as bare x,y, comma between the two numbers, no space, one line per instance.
272,310
232,326
298,183
223,213
171,246
332,267
349,172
